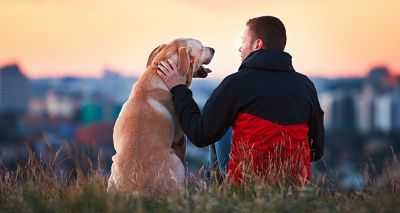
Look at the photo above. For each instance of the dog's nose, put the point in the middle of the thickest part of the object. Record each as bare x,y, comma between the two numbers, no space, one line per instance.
212,50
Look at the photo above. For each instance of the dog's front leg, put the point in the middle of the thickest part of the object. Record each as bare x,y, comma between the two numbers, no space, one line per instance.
180,148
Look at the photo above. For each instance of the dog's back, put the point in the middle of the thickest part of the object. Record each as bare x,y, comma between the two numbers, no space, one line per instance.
143,136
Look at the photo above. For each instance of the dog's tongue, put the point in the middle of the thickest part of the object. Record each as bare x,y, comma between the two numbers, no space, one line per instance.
202,72
206,70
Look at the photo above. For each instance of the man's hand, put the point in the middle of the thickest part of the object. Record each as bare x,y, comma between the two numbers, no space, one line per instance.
168,71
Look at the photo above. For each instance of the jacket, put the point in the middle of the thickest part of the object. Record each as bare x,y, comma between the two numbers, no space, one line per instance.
269,106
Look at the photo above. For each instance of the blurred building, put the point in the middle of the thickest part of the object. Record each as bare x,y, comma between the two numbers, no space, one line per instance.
95,133
342,112
383,114
367,106
62,105
14,86
364,110
98,108
396,109
326,101
385,100
379,79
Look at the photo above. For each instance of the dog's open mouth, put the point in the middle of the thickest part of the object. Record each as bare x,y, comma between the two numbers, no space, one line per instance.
202,72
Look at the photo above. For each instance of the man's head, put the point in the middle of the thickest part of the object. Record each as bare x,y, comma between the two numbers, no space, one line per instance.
264,32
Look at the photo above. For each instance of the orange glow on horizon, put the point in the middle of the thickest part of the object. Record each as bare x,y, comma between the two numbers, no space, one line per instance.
328,39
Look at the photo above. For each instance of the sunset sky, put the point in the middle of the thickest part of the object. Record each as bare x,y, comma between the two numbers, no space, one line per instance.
83,37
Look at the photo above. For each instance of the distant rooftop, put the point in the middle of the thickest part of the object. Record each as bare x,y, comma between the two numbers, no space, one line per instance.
11,69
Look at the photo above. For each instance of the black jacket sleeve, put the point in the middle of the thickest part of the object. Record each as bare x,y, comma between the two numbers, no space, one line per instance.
316,132
209,126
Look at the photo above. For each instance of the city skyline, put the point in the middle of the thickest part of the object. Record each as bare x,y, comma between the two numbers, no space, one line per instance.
326,39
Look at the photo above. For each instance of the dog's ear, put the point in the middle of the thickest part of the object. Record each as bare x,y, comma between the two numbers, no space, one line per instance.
153,54
183,60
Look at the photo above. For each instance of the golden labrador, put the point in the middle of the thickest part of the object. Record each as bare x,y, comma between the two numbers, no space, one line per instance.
148,139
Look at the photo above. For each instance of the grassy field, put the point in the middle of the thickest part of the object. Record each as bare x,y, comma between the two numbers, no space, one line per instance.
40,187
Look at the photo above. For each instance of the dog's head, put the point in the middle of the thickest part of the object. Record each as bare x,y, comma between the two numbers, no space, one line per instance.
189,54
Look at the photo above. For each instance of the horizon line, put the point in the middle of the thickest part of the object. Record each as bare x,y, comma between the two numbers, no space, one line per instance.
210,77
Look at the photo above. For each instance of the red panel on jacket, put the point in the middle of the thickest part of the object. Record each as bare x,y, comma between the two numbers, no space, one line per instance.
268,150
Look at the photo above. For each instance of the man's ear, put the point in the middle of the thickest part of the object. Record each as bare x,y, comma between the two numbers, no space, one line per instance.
259,44
154,53
183,60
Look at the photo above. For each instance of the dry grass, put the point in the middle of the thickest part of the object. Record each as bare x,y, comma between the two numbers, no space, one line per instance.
39,186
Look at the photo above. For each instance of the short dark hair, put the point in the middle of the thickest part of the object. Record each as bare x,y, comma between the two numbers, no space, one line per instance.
270,30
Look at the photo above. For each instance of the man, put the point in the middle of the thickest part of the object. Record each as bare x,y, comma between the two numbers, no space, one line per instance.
274,112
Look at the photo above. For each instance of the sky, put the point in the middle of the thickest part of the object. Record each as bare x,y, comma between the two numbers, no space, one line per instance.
53,38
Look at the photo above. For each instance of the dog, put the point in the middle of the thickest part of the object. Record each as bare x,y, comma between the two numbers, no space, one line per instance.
148,139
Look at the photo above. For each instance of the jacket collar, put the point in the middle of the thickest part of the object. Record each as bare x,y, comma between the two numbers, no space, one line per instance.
268,59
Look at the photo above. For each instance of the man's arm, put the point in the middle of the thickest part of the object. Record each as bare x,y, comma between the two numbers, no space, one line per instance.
220,110
208,127
316,135
316,124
